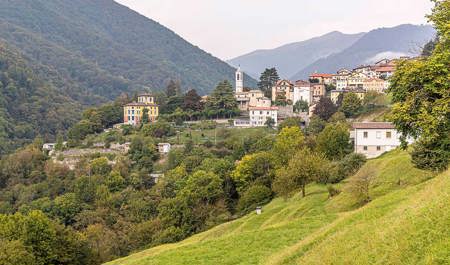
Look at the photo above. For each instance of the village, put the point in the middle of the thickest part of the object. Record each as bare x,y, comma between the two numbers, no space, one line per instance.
257,110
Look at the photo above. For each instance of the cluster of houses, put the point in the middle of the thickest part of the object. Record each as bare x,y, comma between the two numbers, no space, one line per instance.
260,108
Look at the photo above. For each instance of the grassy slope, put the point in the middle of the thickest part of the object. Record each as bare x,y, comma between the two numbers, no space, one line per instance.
407,222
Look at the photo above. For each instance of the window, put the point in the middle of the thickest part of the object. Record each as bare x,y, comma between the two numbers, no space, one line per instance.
389,135
378,135
365,148
378,148
366,134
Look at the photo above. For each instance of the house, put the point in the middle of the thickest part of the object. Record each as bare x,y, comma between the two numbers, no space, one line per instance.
325,79
375,84
133,112
164,148
283,90
259,115
317,91
302,91
334,94
374,138
48,146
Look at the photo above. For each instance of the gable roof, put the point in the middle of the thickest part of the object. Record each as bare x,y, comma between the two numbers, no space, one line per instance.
373,125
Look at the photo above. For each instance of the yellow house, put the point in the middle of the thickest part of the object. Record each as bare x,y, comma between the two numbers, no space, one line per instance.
334,95
133,112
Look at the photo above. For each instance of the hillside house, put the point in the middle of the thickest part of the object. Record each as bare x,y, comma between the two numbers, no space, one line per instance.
374,138
134,112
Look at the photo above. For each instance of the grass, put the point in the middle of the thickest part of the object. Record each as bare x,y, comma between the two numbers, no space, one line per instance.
406,222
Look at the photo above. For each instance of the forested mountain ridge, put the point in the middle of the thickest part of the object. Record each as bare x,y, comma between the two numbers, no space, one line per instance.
106,48
29,106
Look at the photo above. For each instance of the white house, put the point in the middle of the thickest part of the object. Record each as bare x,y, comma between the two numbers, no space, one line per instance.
164,148
374,138
259,115
302,91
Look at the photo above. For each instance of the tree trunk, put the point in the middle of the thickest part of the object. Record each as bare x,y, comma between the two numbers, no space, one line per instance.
303,191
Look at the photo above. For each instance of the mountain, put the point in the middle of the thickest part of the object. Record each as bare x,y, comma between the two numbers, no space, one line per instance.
403,40
80,53
288,59
405,222
30,105
102,48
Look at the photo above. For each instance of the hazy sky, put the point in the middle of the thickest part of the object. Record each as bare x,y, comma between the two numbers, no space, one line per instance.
229,28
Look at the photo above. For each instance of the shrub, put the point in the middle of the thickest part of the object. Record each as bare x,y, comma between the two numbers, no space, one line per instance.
332,191
255,196
430,158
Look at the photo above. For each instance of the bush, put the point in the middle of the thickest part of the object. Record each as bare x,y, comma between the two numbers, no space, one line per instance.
255,196
430,158
332,191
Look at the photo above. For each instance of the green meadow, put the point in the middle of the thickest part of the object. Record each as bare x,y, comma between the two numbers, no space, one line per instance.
407,221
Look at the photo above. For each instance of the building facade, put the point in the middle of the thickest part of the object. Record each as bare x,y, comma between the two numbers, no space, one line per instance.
133,112
375,84
317,91
283,89
302,91
259,116
374,138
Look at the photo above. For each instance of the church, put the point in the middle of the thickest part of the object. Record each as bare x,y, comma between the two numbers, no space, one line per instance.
251,98
254,104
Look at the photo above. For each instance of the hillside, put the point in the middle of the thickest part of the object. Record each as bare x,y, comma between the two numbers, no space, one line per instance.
289,58
103,48
406,222
403,40
29,105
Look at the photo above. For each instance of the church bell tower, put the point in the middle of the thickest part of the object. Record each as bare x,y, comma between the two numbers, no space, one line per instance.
239,80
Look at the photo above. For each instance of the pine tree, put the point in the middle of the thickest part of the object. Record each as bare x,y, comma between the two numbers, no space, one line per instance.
267,80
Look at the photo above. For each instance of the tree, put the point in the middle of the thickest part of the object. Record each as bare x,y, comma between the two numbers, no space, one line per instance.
253,168
173,88
351,104
145,119
291,122
192,101
288,142
59,142
334,141
316,125
100,166
222,102
420,92
256,195
267,80
269,123
301,106
302,169
325,108
359,185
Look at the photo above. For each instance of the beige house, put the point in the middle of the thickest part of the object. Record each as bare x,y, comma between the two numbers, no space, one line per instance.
317,91
334,95
375,84
283,88
325,79
374,138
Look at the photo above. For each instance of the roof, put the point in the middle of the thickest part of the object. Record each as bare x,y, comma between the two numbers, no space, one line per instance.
385,69
263,108
138,104
282,81
145,95
321,75
302,83
373,125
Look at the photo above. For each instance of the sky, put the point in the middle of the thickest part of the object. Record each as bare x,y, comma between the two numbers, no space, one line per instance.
230,28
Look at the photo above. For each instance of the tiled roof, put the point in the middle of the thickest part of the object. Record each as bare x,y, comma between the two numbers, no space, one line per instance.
263,108
302,83
373,125
321,75
139,104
